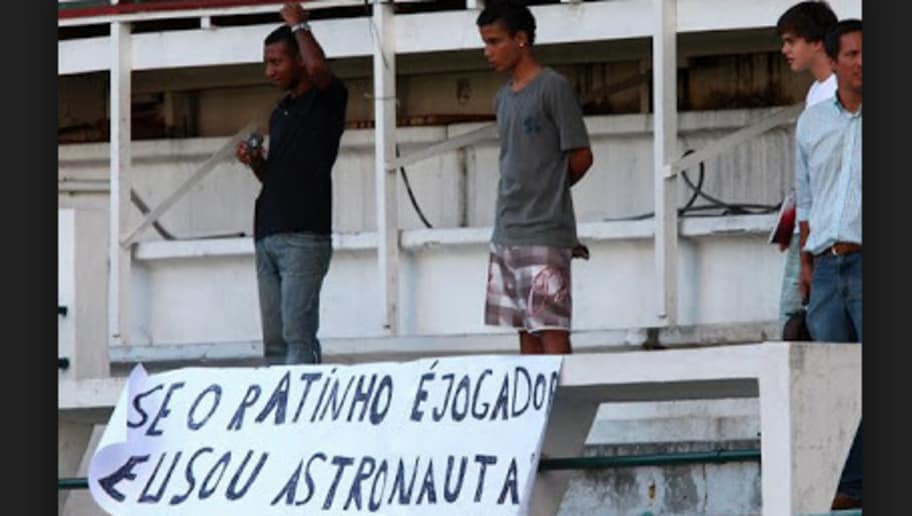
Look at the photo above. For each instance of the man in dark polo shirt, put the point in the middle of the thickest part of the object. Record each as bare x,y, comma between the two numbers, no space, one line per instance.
293,218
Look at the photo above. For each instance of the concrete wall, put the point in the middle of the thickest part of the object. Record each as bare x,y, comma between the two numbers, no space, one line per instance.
455,189
683,490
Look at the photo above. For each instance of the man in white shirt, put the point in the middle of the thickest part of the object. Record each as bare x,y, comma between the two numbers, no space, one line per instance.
802,29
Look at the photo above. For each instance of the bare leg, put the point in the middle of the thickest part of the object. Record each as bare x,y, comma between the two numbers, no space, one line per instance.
555,342
530,344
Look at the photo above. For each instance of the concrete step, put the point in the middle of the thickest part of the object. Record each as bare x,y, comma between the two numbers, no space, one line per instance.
688,420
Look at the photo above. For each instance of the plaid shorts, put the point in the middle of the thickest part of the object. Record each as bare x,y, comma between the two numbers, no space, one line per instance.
529,287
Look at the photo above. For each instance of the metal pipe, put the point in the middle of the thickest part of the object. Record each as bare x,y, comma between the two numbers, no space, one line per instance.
67,484
665,139
582,463
656,459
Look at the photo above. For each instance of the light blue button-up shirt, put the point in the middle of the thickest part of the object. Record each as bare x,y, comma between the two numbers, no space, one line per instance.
828,174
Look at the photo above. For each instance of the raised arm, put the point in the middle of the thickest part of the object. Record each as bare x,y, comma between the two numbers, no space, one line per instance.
312,55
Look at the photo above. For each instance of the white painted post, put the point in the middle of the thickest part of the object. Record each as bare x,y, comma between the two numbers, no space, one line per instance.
119,197
665,127
810,406
384,152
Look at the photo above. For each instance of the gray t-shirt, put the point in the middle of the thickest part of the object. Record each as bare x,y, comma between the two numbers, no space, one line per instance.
537,126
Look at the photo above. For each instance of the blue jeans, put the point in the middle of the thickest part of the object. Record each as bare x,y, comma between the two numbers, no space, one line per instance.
834,315
290,271
789,296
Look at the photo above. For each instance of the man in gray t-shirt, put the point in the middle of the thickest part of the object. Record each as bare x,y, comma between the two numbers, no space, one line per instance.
544,151
538,125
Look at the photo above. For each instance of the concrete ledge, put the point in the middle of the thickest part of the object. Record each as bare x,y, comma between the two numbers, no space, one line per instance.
418,239
357,350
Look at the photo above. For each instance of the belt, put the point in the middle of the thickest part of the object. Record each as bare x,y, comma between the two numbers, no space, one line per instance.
841,249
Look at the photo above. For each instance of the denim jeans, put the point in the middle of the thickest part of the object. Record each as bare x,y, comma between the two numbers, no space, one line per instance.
290,271
834,315
789,296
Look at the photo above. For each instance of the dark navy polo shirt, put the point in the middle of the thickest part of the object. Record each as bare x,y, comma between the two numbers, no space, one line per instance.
304,134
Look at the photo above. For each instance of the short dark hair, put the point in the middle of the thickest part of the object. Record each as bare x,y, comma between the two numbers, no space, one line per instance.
833,37
808,20
283,33
514,15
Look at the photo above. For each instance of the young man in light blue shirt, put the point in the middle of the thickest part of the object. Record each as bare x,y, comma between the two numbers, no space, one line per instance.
802,28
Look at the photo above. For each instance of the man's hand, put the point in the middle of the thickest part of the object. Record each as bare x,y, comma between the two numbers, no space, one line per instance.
807,262
578,162
804,281
580,251
293,14
254,159
243,154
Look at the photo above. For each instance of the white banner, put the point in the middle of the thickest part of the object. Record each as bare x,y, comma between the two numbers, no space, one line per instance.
449,436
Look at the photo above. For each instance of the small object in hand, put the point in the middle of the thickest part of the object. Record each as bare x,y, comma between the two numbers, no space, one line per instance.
254,141
580,251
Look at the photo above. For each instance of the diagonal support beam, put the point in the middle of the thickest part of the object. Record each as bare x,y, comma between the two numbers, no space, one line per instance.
738,137
463,140
221,154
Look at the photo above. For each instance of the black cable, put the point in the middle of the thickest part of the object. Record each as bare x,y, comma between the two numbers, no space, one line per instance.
715,204
742,208
696,189
144,209
408,188
405,179
167,235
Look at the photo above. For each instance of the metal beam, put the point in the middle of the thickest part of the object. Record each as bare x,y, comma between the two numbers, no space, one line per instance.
736,138
384,38
173,11
118,201
665,134
430,32
225,151
463,140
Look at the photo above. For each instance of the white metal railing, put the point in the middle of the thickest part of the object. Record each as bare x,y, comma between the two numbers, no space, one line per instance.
665,27
147,11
